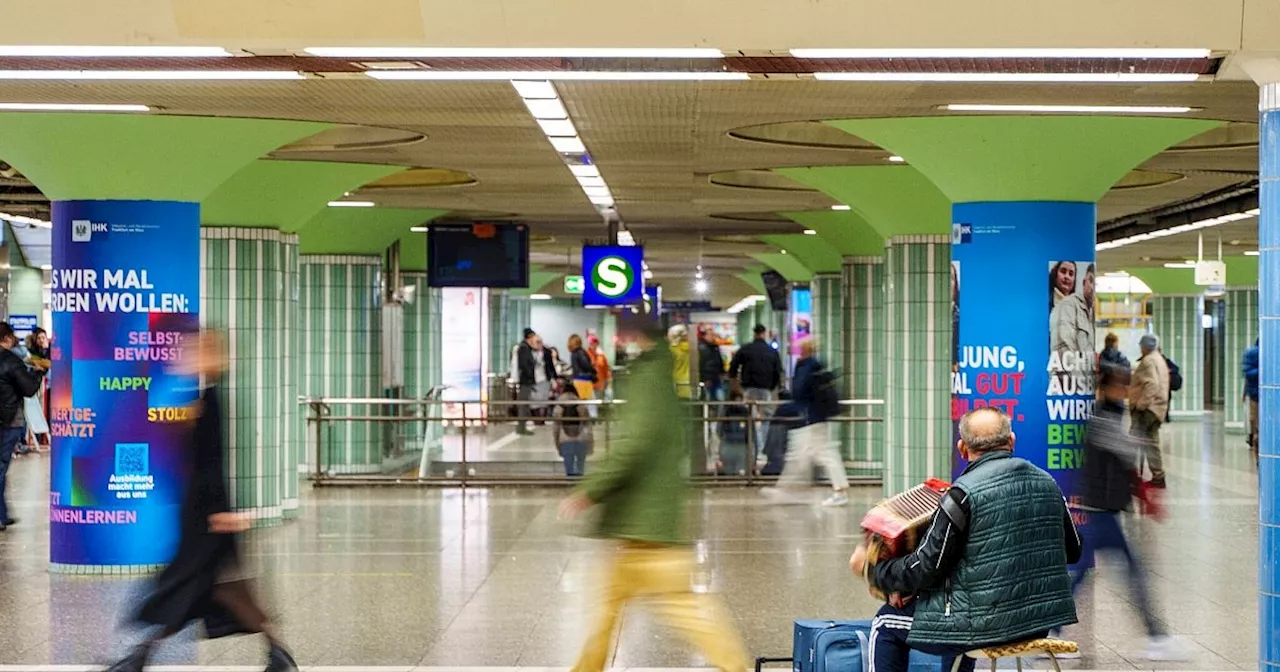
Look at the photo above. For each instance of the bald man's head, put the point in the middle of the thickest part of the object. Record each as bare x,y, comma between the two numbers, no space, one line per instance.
983,430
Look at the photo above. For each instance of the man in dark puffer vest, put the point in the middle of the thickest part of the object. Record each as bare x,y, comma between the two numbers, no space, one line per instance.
992,567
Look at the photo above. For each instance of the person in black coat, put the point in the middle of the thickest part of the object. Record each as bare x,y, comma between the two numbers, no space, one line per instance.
17,382
206,580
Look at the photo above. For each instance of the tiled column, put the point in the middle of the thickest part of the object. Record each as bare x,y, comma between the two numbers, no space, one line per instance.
1269,403
423,366
918,359
341,343
1177,321
826,324
1238,333
862,359
245,291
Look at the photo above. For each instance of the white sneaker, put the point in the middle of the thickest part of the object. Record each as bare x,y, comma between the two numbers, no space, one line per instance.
837,499
1166,648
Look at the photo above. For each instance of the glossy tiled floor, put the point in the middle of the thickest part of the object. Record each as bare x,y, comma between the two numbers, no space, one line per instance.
404,577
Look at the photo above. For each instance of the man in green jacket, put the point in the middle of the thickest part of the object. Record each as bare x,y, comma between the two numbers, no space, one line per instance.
640,490
992,567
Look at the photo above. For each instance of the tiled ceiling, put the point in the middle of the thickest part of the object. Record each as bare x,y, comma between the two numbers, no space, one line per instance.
656,144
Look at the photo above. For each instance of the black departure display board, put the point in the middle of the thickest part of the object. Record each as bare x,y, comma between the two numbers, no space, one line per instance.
478,255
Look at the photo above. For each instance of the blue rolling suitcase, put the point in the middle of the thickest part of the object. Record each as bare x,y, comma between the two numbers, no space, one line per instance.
839,646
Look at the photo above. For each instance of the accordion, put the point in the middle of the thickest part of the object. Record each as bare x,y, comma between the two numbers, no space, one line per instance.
893,526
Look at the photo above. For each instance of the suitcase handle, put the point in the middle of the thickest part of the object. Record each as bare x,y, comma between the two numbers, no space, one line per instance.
760,662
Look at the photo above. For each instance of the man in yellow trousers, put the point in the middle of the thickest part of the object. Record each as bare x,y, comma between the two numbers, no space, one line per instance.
641,488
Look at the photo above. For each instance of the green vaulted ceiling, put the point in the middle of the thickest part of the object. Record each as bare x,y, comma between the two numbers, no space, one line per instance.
1242,271
788,265
285,194
894,200
368,231
105,156
845,231
752,278
814,253
1025,158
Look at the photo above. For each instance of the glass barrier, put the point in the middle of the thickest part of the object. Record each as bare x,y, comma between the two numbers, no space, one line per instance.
431,440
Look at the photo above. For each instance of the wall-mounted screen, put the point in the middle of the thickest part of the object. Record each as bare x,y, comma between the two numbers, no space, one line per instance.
777,288
478,255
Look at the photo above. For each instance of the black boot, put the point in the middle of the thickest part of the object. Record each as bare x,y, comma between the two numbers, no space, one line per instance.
279,660
134,662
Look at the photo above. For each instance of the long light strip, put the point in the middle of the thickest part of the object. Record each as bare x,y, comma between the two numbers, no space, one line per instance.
82,51
745,303
71,107
1020,77
158,75
29,221
351,204
1071,109
511,52
554,75
1183,228
545,106
1050,52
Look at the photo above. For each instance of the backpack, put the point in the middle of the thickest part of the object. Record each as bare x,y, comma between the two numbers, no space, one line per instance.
571,420
1175,375
826,394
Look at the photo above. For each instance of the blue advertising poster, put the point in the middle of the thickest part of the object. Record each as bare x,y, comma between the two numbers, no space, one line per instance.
1022,287
613,274
125,288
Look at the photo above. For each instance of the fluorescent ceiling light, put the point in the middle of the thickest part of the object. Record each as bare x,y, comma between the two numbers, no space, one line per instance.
700,286
897,159
1051,77
1251,253
1179,264
591,181
810,232
596,191
585,170
1181,228
351,204
571,145
540,297
72,107
1002,53
156,75
558,128
509,52
531,90
78,51
606,201
560,75
1071,109
549,108
418,229
625,238
29,221
840,207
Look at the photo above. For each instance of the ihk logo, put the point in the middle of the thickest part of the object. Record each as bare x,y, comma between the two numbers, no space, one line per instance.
613,277
961,233
82,230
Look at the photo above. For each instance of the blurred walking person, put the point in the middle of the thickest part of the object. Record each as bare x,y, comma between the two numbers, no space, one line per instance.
817,400
1107,485
1249,366
206,580
640,488
1149,403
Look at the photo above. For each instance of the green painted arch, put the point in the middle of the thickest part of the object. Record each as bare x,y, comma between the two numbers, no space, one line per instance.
751,278
894,200
788,265
1242,271
846,231
1025,158
368,231
814,253
144,157
538,281
285,194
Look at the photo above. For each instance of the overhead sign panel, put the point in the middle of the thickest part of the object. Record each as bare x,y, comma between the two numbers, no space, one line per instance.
613,275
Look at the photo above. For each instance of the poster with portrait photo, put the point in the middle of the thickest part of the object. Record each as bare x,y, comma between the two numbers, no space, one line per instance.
1071,315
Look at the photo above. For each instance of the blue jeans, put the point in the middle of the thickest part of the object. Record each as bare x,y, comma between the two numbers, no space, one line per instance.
10,437
575,457
1103,533
889,651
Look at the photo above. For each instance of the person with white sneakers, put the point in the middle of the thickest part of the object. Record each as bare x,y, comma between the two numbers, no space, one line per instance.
816,398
